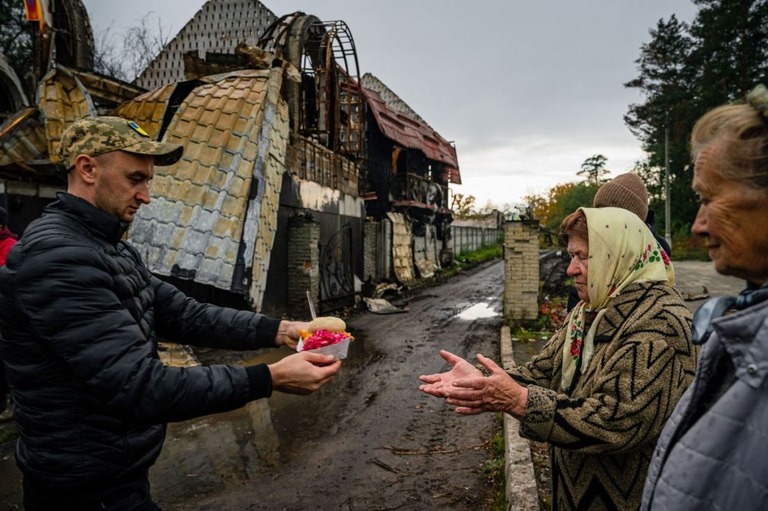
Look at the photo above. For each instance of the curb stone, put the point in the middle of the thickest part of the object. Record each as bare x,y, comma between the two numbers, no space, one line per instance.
520,480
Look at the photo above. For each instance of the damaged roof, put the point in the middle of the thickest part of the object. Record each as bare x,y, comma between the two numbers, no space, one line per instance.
213,215
29,138
399,123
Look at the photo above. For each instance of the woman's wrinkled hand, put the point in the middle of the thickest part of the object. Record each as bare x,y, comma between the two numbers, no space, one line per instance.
437,384
497,392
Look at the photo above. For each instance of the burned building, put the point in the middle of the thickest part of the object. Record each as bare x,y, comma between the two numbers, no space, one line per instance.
216,28
408,169
298,175
67,89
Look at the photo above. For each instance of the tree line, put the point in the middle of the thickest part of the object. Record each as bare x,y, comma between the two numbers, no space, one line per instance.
683,71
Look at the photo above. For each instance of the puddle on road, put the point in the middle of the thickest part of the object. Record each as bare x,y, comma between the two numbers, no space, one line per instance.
212,453
481,310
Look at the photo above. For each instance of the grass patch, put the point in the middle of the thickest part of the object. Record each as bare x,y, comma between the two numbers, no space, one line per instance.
551,316
494,470
482,254
522,334
471,258
683,254
688,248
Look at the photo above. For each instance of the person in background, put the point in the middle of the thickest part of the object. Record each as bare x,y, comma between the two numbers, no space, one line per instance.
80,318
650,221
712,452
626,191
602,387
7,240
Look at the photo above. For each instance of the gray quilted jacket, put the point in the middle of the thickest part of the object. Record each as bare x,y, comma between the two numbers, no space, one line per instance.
713,451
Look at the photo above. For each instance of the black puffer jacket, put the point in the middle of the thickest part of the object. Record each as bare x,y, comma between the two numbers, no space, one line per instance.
79,313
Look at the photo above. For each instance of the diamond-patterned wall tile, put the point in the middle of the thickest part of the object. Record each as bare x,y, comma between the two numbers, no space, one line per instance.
227,151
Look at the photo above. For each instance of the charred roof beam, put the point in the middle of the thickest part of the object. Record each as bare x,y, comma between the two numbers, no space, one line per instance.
327,105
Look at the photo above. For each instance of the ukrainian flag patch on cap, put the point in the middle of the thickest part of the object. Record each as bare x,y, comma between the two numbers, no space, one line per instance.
138,129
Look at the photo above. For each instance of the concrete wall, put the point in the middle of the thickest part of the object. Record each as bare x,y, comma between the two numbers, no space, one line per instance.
402,248
521,271
393,252
426,252
468,238
335,211
493,220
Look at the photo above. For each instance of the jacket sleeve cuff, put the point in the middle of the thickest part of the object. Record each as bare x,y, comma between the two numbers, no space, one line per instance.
266,330
259,382
539,414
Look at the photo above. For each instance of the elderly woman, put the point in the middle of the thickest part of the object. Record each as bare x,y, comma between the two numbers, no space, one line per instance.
713,452
602,387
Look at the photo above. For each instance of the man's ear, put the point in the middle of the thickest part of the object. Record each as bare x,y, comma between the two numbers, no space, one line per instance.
85,167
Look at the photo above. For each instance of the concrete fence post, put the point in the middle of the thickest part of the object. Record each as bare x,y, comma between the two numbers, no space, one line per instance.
386,252
521,270
371,249
303,264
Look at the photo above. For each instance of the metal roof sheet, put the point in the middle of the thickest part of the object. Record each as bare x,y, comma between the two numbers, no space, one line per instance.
29,139
63,100
148,109
22,138
214,213
403,126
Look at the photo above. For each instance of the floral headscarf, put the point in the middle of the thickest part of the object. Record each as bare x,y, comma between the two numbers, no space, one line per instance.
622,251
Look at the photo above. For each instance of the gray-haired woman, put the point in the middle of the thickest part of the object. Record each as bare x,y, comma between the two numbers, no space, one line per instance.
713,451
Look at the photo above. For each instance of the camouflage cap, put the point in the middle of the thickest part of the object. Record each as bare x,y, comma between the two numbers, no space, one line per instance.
98,135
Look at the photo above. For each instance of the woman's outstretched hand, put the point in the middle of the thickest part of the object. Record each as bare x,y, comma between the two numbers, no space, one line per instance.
497,392
466,387
438,384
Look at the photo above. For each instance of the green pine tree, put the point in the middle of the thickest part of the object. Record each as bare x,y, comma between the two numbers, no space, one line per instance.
16,41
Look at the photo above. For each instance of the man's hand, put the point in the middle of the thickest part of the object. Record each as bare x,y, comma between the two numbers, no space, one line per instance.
303,373
497,392
438,384
288,333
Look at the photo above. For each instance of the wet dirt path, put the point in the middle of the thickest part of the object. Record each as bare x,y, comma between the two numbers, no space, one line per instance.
368,440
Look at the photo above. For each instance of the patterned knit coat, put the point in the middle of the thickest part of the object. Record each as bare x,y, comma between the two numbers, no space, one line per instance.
604,429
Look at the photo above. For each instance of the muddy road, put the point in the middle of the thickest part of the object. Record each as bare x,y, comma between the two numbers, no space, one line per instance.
367,441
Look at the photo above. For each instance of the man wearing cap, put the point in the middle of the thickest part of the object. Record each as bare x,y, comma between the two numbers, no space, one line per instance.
80,315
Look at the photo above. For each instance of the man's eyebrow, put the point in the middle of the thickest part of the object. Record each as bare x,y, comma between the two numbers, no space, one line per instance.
140,173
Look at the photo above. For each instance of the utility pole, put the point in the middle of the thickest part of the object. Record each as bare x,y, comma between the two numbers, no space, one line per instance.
667,201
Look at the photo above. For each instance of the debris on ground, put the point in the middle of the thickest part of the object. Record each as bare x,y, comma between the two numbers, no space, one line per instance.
697,293
382,306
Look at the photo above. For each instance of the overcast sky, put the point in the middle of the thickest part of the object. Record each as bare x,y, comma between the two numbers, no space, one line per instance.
527,89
